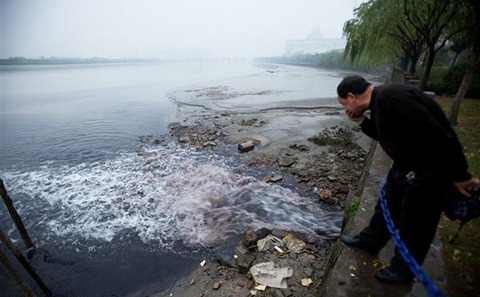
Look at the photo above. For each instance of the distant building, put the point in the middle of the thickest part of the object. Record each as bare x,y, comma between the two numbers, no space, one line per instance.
313,43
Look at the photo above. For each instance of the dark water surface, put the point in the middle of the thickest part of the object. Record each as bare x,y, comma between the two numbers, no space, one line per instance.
114,221
76,114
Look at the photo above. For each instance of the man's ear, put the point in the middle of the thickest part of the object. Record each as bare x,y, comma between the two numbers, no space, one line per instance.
351,96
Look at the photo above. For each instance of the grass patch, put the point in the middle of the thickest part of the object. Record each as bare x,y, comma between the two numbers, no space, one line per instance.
352,210
462,259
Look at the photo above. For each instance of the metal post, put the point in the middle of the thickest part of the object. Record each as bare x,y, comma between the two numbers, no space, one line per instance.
15,217
17,278
6,241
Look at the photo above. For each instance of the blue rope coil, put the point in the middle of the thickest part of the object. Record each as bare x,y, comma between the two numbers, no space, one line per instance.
415,268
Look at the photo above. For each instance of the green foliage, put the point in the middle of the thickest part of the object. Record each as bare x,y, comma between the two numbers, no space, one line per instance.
368,35
330,59
352,210
446,81
380,32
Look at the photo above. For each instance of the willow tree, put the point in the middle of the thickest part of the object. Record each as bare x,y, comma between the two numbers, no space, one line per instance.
380,32
433,20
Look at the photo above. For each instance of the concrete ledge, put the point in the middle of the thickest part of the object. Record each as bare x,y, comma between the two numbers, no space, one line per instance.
352,271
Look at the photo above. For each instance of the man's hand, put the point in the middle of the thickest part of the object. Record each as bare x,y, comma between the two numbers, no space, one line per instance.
465,187
354,118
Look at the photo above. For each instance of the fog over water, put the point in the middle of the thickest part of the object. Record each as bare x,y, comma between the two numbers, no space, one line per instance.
153,29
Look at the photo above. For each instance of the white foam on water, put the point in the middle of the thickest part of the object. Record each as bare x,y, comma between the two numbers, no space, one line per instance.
163,195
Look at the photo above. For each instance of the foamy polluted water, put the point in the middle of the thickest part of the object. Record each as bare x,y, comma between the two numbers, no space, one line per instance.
164,195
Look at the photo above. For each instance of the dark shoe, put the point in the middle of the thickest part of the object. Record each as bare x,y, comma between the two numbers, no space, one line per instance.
358,241
394,276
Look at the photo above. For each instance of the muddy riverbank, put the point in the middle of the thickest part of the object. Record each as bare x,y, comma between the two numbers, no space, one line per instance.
306,145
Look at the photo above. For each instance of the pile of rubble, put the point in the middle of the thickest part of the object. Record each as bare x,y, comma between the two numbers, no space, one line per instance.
266,263
198,136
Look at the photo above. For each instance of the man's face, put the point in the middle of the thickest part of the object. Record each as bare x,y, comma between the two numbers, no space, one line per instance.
352,106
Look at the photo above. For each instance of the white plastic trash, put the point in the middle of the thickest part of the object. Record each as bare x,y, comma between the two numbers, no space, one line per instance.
267,273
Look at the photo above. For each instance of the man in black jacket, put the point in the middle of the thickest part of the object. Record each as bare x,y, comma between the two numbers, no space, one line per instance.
428,163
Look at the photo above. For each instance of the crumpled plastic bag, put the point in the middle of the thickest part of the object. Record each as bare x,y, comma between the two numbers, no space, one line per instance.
268,274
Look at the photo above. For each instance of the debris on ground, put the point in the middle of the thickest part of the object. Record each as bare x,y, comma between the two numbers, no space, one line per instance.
269,274
325,166
306,282
294,244
268,243
246,146
262,271
335,136
273,178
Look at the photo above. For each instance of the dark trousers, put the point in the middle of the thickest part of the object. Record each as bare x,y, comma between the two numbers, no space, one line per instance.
415,201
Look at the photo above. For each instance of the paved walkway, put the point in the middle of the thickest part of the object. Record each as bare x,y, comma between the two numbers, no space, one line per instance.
353,272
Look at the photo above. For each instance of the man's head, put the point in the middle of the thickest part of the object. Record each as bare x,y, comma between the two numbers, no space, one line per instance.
354,93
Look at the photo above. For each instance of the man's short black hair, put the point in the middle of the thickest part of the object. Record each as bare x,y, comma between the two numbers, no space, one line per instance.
352,84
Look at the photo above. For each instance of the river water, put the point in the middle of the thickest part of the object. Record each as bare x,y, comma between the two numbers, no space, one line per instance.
113,221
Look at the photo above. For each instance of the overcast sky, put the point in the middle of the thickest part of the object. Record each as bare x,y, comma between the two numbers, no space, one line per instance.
108,28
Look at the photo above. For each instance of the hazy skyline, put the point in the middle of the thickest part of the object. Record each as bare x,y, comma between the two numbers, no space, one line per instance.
150,29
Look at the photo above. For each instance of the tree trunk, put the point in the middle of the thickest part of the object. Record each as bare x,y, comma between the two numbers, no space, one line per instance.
413,65
464,86
474,65
404,63
454,59
428,69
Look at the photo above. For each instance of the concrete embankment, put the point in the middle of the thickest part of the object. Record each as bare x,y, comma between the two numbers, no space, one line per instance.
352,272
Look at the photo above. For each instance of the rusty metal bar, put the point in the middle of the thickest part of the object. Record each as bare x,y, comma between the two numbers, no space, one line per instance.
17,278
15,217
28,267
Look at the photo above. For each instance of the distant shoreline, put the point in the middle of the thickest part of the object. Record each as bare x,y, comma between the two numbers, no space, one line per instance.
72,61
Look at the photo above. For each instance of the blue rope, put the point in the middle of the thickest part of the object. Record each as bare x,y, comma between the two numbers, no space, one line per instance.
427,282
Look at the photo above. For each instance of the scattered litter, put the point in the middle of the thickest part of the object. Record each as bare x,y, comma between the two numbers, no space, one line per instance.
294,244
325,194
267,273
253,292
352,267
306,282
276,178
264,243
273,178
352,274
260,287
235,256
192,282
216,285
279,250
246,146
203,263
